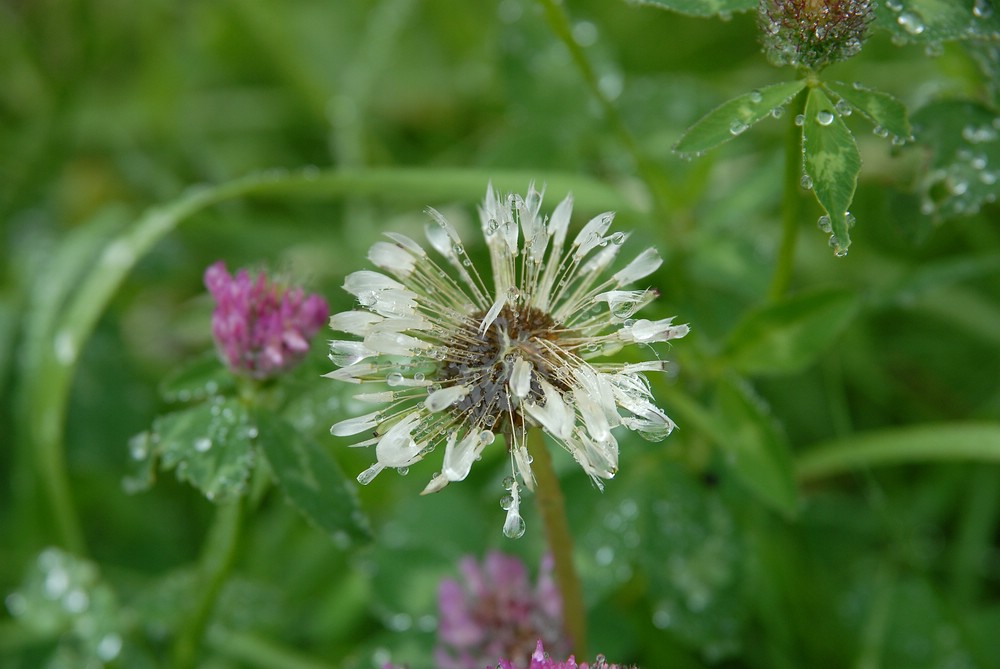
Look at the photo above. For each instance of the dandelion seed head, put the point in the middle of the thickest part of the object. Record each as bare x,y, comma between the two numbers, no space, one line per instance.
466,355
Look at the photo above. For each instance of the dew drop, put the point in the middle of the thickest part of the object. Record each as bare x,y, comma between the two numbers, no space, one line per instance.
506,502
850,219
800,119
394,379
756,97
252,432
880,131
824,223
982,9
508,482
778,112
486,437
894,5
513,528
202,444
737,127
806,181
824,117
911,22
403,471
618,238
843,108
419,376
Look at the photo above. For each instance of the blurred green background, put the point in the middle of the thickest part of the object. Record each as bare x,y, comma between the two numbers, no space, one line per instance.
704,551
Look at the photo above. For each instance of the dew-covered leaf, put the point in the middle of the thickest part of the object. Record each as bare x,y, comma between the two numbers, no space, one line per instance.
701,7
63,596
312,480
692,559
964,168
787,336
203,377
755,449
935,21
887,113
732,118
832,162
210,445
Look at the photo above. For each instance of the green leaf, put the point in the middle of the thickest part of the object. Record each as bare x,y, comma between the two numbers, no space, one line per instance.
964,169
934,21
735,116
210,445
312,480
197,380
702,7
755,449
832,162
886,112
924,443
787,336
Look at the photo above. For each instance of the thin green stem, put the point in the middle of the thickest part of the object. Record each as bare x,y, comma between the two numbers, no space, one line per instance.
216,562
553,510
658,182
791,202
925,443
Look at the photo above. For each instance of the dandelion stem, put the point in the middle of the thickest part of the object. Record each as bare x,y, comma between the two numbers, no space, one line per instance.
216,561
553,511
791,202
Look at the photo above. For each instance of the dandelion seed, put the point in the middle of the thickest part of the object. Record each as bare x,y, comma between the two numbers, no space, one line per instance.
467,355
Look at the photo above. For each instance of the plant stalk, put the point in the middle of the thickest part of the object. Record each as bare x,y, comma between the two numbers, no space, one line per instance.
216,562
553,511
791,202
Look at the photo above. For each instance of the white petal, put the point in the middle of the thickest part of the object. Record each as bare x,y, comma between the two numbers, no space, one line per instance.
439,400
410,245
376,398
653,331
436,484
458,457
592,234
395,343
352,373
520,378
592,414
492,314
644,264
344,353
365,281
397,448
624,303
559,223
555,416
354,322
523,462
356,425
392,258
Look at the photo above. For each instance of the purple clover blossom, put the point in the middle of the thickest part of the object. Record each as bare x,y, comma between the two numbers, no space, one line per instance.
495,613
541,660
261,328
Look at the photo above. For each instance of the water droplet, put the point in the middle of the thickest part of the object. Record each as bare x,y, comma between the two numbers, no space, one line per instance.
513,294
880,131
824,223
419,376
486,437
982,9
508,482
109,647
824,117
252,432
911,22
778,112
394,379
843,108
806,181
934,49
203,444
618,238
737,127
756,97
513,528
403,471
850,219
506,502
800,119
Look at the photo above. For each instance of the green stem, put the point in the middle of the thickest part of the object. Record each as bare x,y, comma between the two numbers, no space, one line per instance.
216,561
658,182
927,443
791,202
553,510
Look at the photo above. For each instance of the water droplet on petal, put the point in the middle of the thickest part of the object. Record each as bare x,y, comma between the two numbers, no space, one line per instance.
394,379
513,528
506,502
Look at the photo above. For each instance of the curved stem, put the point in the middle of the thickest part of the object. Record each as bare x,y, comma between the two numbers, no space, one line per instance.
216,561
557,534
791,202
925,443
